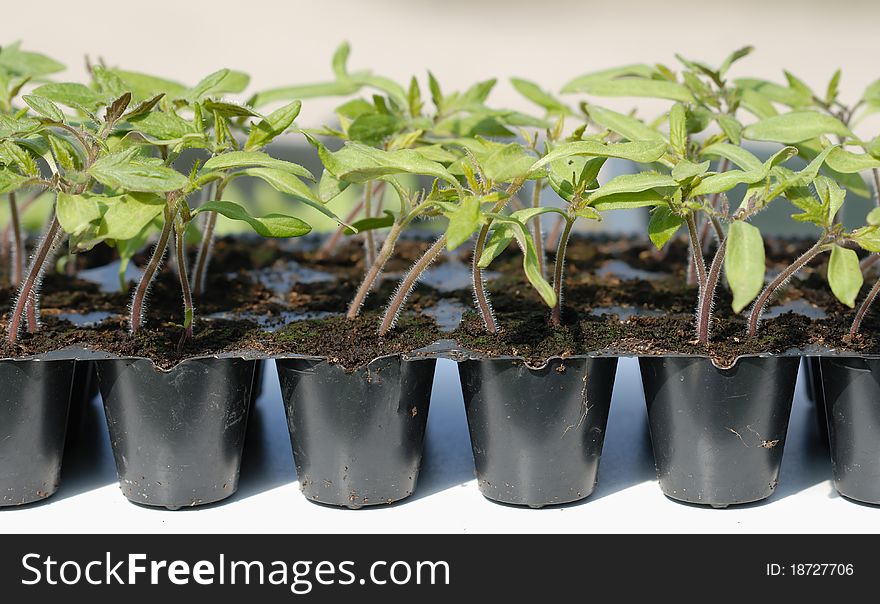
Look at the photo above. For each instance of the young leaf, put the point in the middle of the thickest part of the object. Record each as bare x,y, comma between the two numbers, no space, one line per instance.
632,183
76,213
357,163
162,125
847,162
121,171
531,266
643,152
253,159
686,170
463,222
733,58
844,275
832,196
270,225
678,135
731,127
744,263
44,107
540,97
26,63
9,180
628,127
733,153
663,226
287,183
371,224
638,87
144,86
498,241
373,128
70,94
796,127
580,83
274,124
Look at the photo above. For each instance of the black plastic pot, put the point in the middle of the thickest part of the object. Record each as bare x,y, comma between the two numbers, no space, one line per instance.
852,399
34,402
83,391
357,437
177,435
537,434
815,392
718,434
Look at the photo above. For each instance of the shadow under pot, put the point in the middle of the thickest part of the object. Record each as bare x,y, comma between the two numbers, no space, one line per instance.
537,434
177,435
34,403
852,399
813,386
357,436
718,434
83,391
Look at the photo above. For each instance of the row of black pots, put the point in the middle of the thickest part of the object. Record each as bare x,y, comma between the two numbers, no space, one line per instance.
537,432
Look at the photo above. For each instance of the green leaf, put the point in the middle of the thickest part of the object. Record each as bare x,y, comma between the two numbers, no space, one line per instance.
9,180
270,225
228,109
90,218
735,56
632,183
253,159
645,151
373,128
848,162
531,265
540,97
272,126
868,238
122,172
287,183
76,213
832,196
678,135
733,153
44,107
772,92
463,222
638,87
580,83
796,127
686,170
11,127
744,263
330,187
575,174
663,225
305,91
26,63
71,94
873,217
144,86
725,181
628,127
500,162
162,125
498,241
844,275
357,163
371,224
731,127
629,201
221,81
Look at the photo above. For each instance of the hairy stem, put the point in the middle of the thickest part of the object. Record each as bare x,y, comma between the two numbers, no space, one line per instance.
188,310
203,257
27,291
481,297
407,284
699,263
869,261
370,235
537,235
136,315
374,271
17,266
863,310
556,231
781,278
556,313
707,296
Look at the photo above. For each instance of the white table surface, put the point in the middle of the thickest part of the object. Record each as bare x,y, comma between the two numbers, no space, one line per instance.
447,500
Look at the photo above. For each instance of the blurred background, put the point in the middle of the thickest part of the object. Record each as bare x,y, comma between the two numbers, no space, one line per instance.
461,41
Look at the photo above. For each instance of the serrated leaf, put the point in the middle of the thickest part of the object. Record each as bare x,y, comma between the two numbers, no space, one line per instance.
9,180
253,159
796,127
744,263
844,275
44,107
663,225
270,225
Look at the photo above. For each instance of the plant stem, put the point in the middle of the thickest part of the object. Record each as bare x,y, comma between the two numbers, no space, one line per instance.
553,235
27,291
375,270
863,309
481,297
203,258
407,284
188,310
707,296
556,313
537,235
781,278
137,303
696,251
869,261
17,268
370,235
